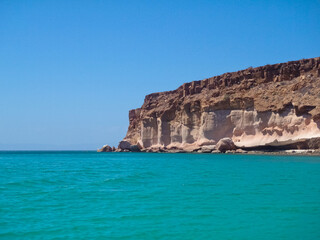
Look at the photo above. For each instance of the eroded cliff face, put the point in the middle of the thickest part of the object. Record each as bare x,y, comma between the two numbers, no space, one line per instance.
269,105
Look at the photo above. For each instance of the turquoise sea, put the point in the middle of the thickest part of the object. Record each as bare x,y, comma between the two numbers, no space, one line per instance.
88,195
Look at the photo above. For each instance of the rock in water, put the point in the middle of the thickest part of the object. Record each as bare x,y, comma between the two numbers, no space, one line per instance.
207,149
105,148
124,145
134,148
241,151
225,144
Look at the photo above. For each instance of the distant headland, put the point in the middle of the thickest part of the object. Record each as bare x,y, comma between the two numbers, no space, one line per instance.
273,107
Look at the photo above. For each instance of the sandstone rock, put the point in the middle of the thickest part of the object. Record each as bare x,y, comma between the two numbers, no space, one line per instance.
176,151
230,151
205,142
190,147
124,145
225,144
158,148
317,151
241,151
139,145
253,107
105,148
314,143
134,148
215,151
204,151
207,148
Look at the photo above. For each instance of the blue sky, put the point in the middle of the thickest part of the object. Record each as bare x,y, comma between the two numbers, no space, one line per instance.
71,70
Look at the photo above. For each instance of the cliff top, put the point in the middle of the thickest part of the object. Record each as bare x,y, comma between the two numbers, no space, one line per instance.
269,87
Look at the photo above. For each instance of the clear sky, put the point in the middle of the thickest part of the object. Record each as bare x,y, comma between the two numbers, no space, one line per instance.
71,70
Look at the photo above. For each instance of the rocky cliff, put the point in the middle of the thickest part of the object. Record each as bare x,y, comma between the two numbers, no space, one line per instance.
272,105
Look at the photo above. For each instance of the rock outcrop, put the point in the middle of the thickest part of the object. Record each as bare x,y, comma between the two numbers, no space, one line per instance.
105,148
124,145
225,144
273,104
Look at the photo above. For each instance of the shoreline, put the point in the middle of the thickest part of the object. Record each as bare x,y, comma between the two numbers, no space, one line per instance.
279,153
297,152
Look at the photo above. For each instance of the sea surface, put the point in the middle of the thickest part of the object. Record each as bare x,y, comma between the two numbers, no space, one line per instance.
88,195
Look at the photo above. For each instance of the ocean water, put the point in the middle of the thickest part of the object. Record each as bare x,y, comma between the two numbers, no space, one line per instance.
88,195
